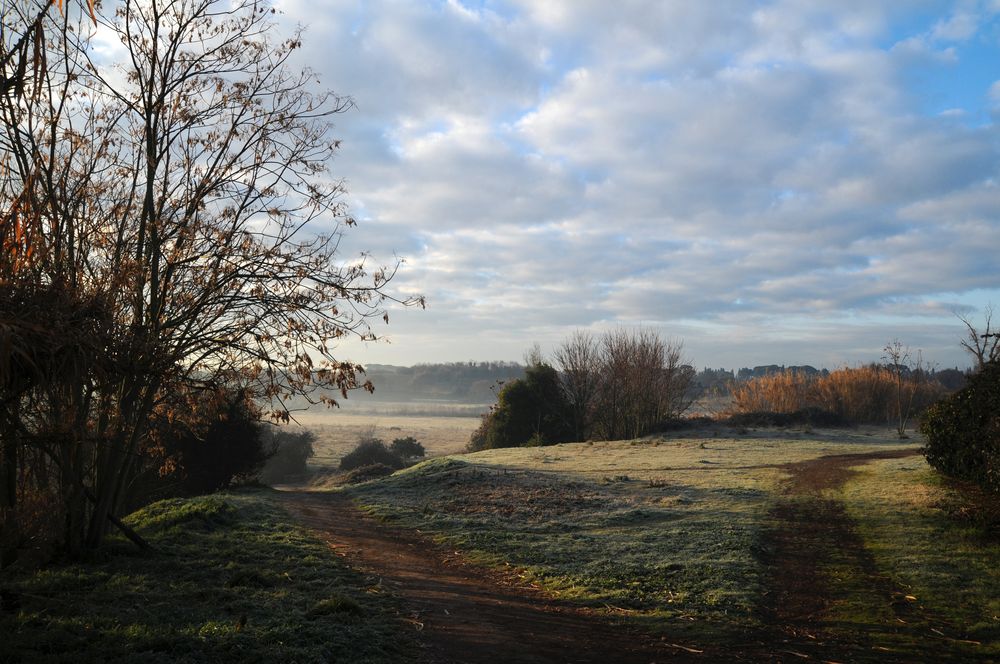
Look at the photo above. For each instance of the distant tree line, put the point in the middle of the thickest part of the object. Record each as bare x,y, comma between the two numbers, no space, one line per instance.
477,382
460,382
721,381
622,384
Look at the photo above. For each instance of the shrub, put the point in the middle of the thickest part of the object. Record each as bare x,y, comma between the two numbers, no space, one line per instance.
226,448
407,448
536,440
682,423
779,392
336,605
370,452
963,431
811,416
477,441
290,453
530,408
864,395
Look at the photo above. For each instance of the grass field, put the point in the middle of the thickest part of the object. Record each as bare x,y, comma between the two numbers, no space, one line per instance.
925,533
230,580
338,432
670,530
665,525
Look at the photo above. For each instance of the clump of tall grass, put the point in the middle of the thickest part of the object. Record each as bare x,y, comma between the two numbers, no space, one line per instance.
861,395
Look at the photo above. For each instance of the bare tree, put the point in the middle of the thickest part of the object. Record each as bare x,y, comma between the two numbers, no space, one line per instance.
578,360
643,381
533,357
55,328
170,196
983,344
907,378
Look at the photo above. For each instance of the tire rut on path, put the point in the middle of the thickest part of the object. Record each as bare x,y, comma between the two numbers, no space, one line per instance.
466,613
810,535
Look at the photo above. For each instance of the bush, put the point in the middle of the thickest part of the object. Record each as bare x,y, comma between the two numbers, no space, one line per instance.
963,431
810,416
682,423
532,408
290,453
865,395
227,447
407,448
370,452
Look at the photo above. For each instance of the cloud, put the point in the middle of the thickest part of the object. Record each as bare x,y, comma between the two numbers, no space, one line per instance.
959,26
994,95
700,167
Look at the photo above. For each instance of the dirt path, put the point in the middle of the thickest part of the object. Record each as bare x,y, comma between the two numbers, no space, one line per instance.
815,558
465,613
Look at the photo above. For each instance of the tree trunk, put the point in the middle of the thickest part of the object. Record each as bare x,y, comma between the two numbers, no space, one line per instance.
9,530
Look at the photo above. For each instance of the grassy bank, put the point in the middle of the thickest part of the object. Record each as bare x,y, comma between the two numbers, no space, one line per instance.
230,581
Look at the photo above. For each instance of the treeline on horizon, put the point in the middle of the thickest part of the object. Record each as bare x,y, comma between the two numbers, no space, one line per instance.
459,382
475,382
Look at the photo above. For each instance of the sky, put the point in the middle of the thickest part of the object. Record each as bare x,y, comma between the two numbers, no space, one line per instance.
787,182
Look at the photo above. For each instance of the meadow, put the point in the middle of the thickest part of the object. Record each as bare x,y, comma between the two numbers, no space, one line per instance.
230,579
680,535
338,432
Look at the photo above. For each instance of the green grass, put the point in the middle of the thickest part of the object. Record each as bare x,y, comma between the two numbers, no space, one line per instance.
230,581
668,530
911,523
619,542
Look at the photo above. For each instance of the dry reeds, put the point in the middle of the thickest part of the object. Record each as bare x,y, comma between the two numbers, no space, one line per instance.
862,395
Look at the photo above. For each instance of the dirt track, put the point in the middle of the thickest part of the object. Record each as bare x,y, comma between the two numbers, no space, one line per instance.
468,614
815,557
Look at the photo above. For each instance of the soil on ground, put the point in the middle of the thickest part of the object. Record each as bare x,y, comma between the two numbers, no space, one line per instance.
466,613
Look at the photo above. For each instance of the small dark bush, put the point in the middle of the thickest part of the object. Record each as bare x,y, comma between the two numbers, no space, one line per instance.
407,448
754,419
818,417
366,473
807,416
684,423
963,431
227,450
368,452
290,452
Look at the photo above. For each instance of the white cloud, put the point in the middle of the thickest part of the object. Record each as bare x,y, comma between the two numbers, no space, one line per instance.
576,164
994,95
958,27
